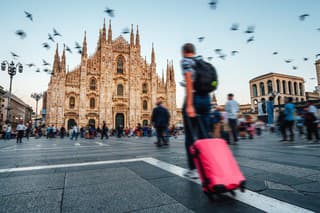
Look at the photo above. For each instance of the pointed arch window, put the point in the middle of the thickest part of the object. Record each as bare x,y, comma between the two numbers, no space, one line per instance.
120,90
145,105
93,84
92,103
72,102
120,65
144,88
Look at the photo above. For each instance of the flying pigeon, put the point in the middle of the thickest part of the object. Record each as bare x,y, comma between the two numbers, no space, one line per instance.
46,45
303,17
45,63
200,39
68,49
31,65
218,51
250,30
56,33
318,55
288,61
77,45
80,51
125,30
294,68
275,53
14,55
312,78
210,58
21,34
250,39
38,70
110,12
223,57
305,59
213,4
28,15
50,37
234,27
234,52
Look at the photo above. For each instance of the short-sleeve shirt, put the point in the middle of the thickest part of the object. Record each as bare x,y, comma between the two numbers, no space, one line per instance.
188,64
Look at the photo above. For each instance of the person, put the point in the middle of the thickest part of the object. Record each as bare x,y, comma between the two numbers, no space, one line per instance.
313,109
160,119
196,103
28,131
8,132
300,123
74,134
62,132
54,131
232,109
20,131
259,126
262,111
281,123
289,109
312,126
104,131
49,130
216,119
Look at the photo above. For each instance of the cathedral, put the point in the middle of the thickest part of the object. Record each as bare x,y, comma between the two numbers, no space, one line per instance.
115,84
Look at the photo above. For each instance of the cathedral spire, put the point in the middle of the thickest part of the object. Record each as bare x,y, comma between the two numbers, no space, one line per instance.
131,37
162,77
84,45
137,38
63,59
56,62
109,33
104,36
153,57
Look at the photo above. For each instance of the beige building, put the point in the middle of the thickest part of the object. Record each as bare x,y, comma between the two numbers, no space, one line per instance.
115,84
277,84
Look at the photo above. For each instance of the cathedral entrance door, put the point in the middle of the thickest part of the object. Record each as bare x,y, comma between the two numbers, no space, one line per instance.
119,120
71,123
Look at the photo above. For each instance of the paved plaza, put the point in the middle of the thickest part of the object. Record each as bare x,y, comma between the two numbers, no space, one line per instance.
132,175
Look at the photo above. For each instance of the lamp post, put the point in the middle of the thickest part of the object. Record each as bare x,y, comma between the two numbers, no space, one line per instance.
37,97
12,71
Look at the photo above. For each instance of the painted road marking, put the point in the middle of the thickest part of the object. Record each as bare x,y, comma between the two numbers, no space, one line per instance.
77,144
306,146
259,201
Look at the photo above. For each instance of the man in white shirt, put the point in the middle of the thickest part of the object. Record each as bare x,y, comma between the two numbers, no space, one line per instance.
313,109
20,130
8,132
232,109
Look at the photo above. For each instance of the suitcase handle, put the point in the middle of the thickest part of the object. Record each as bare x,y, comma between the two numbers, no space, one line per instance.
200,127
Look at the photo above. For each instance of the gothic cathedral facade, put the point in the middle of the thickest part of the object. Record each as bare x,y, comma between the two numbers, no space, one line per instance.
115,84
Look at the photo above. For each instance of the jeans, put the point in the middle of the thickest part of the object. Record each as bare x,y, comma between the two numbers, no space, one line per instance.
313,130
288,125
233,126
7,136
202,105
104,133
19,136
161,135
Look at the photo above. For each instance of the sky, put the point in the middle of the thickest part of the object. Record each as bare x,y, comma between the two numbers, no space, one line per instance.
168,24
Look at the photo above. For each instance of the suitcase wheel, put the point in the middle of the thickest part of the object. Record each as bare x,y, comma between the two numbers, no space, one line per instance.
233,193
209,195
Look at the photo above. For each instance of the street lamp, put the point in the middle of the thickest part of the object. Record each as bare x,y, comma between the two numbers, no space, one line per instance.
12,71
37,97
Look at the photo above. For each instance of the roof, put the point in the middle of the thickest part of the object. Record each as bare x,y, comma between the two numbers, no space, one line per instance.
272,74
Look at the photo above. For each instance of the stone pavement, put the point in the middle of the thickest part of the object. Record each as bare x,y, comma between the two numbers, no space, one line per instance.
119,175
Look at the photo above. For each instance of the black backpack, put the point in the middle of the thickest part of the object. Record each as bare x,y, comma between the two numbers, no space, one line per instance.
205,79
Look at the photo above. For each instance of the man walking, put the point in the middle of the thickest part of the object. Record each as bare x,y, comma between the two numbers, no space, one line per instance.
20,131
289,109
74,134
197,102
8,132
160,119
104,131
232,109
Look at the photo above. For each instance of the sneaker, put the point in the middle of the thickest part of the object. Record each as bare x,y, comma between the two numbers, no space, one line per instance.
191,174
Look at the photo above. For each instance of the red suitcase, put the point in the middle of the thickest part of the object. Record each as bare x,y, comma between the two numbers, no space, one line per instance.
217,168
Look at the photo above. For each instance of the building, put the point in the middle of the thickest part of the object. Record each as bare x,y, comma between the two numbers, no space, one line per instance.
115,84
318,72
44,106
279,85
2,107
20,111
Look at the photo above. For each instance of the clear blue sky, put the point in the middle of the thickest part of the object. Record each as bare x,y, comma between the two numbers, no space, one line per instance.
169,24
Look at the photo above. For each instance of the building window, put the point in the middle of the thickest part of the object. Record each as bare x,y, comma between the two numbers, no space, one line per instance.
145,105
72,102
290,87
284,88
92,103
255,91
120,64
295,87
144,88
262,91
120,90
278,85
93,84
301,89
270,88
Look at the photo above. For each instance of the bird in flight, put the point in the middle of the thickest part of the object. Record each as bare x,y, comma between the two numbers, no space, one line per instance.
303,17
28,15
46,45
251,39
110,12
80,51
275,53
31,65
305,59
77,45
218,51
250,30
318,29
50,37
234,52
46,70
213,4
318,55
200,39
21,34
68,49
234,27
38,70
294,68
45,63
210,58
223,57
312,78
125,30
14,55
288,61
56,33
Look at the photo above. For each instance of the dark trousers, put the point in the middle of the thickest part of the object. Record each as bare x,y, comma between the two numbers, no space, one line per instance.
312,130
161,135
233,126
202,106
288,125
103,133
20,136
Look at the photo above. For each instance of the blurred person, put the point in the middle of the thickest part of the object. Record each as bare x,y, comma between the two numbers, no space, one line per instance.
21,128
289,110
232,109
104,131
160,119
